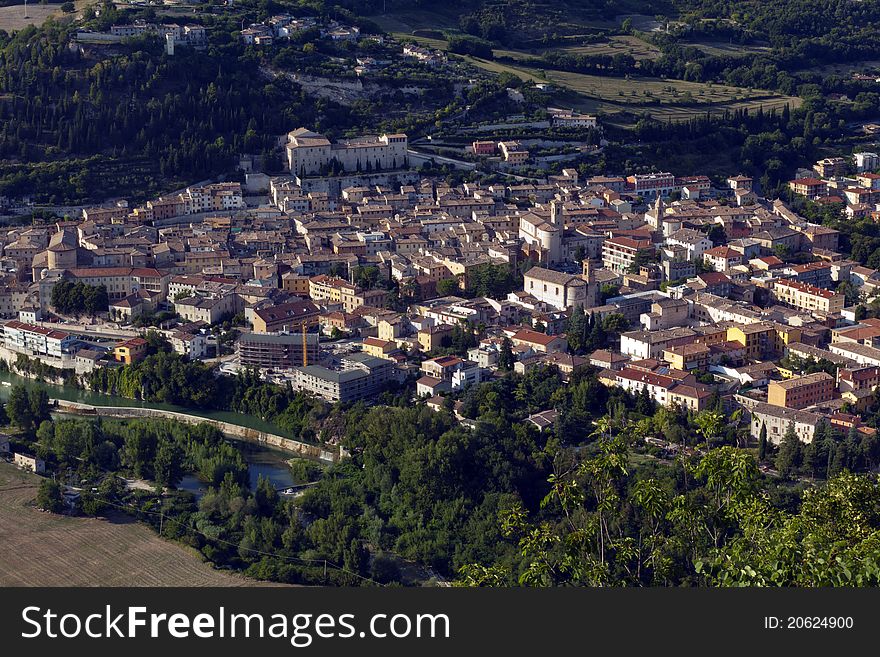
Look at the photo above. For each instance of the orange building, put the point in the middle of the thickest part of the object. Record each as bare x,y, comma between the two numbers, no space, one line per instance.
802,391
130,351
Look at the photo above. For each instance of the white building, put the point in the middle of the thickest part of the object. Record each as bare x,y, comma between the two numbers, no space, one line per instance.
866,161
556,288
694,242
36,340
309,153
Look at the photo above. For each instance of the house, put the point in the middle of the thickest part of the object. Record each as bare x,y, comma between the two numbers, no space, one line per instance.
130,351
433,337
378,348
513,152
429,386
694,242
544,420
539,342
30,462
722,258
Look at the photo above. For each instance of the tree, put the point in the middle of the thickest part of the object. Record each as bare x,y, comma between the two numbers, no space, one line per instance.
447,287
644,402
18,408
168,464
710,423
27,407
576,331
762,443
49,496
788,459
505,356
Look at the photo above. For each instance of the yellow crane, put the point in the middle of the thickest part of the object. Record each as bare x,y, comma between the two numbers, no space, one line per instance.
305,346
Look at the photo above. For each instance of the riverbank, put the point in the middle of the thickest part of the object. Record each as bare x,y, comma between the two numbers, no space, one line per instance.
235,425
233,430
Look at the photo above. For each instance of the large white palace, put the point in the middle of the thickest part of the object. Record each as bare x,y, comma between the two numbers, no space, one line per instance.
309,153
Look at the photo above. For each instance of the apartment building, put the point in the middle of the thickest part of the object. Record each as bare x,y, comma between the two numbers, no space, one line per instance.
777,419
34,340
831,167
362,377
802,391
807,297
810,187
620,253
763,339
277,351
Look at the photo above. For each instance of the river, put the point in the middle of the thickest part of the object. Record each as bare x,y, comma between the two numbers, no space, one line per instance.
74,394
263,461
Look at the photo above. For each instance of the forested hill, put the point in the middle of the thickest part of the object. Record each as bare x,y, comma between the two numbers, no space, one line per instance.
134,118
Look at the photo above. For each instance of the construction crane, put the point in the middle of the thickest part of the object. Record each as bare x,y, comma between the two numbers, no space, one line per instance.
305,346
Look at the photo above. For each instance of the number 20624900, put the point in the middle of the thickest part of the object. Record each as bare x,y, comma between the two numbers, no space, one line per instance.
808,622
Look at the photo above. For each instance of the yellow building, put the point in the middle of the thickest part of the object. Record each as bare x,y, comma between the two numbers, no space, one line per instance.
763,338
378,348
802,391
130,351
295,284
432,338
390,329
687,356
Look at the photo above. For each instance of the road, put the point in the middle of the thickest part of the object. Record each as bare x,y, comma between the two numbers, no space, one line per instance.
98,331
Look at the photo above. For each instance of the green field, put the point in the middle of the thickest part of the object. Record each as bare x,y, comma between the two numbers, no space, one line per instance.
615,45
674,100
722,49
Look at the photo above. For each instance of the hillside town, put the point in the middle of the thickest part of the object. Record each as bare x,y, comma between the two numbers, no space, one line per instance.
355,273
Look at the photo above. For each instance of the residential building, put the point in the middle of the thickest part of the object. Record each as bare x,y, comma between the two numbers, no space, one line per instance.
807,297
130,351
277,351
801,391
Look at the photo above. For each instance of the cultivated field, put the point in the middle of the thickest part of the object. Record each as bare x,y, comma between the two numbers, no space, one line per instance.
12,18
674,100
42,549
616,45
724,49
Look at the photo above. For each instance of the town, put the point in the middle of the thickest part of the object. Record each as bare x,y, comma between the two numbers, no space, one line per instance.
340,284
476,294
